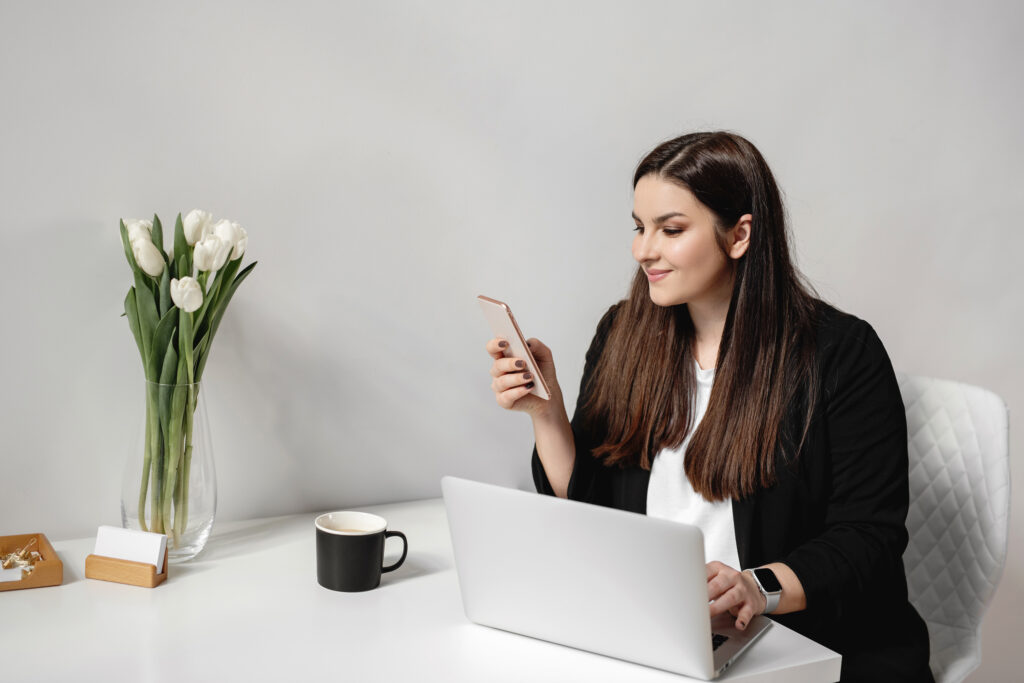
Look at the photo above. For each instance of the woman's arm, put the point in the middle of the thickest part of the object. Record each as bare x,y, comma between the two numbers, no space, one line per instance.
556,446
858,553
587,478
863,535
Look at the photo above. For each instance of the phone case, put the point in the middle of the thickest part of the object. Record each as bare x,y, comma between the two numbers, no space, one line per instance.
504,326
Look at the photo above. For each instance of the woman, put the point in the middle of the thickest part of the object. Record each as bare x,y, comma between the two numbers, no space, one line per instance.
721,393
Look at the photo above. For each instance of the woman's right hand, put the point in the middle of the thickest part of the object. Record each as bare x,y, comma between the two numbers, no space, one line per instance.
512,383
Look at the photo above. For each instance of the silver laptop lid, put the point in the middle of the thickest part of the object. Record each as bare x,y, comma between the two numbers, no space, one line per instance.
617,583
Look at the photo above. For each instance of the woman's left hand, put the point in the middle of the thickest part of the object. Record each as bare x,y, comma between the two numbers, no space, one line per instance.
734,592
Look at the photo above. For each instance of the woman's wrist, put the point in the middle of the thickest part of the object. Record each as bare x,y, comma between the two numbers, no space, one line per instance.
556,448
551,412
793,598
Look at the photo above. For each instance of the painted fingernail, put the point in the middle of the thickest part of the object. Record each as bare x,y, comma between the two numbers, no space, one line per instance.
527,375
530,385
502,344
520,364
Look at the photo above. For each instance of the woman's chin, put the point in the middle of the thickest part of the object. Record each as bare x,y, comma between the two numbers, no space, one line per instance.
662,299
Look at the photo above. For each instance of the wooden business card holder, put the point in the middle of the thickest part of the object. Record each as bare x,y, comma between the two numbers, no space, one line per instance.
124,571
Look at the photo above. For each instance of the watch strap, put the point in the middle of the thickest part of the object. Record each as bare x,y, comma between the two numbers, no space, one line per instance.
771,598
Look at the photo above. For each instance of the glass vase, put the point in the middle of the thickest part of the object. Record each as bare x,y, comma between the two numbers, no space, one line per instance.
169,485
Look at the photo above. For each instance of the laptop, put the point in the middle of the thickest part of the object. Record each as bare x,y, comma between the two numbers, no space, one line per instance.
607,581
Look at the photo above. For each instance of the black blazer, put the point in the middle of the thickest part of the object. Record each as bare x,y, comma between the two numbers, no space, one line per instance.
836,516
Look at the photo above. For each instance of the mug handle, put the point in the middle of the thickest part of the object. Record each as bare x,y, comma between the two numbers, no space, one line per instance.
405,550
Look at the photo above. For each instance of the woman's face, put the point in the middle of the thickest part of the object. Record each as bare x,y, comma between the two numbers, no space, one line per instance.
677,246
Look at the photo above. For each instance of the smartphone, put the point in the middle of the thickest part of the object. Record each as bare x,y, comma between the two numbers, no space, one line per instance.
504,326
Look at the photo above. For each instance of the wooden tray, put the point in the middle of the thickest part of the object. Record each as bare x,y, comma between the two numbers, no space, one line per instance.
48,571
124,571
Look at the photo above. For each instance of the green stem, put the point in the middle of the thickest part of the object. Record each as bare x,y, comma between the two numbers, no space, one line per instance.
175,447
181,513
147,459
156,496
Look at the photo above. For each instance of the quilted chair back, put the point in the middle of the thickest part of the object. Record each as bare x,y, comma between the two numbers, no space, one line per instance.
959,513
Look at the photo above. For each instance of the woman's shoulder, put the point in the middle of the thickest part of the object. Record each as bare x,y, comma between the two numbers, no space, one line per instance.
848,346
604,325
836,328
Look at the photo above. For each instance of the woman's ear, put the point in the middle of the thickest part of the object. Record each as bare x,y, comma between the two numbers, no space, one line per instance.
739,236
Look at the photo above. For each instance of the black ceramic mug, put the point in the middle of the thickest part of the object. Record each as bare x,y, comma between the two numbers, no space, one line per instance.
350,550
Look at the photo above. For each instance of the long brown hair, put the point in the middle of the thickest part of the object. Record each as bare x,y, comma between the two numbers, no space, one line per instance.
643,384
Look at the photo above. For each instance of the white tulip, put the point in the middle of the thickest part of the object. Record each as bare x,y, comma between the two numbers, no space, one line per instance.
197,224
234,234
211,253
148,257
186,294
139,229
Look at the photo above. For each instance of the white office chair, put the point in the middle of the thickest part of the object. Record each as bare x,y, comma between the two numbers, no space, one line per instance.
959,513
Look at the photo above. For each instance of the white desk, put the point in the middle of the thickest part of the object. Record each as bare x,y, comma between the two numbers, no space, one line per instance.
249,608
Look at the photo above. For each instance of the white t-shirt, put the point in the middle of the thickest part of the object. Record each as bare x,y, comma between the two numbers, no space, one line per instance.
670,496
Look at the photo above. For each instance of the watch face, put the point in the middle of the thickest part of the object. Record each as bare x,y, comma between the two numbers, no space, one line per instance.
766,577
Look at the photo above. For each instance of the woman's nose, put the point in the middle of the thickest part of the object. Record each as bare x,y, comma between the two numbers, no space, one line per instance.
643,248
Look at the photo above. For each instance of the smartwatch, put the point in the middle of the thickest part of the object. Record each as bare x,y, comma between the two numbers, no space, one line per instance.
769,586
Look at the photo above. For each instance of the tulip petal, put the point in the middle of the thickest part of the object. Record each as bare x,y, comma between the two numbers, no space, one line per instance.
128,253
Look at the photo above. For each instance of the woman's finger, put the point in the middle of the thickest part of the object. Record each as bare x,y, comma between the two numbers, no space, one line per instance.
496,347
511,381
719,586
723,603
504,366
508,399
743,617
721,577
715,567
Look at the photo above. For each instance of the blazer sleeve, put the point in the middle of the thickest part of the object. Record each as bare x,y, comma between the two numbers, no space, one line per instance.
590,480
861,547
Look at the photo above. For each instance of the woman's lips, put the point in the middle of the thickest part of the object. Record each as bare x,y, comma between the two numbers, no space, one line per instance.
655,275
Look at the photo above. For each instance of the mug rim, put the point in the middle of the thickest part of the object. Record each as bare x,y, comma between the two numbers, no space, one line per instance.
379,524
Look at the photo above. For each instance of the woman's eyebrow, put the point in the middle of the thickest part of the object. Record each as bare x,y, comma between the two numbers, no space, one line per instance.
662,219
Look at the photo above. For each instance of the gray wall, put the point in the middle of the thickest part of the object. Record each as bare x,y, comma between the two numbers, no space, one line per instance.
393,160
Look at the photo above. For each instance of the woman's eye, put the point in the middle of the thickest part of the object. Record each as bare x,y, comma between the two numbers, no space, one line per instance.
639,229
671,232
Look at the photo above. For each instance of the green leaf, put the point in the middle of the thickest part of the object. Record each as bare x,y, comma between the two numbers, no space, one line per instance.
147,312
181,248
202,349
227,273
132,312
165,293
158,236
163,335
168,375
218,313
202,319
183,270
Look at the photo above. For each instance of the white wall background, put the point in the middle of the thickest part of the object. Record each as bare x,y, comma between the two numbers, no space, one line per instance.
393,160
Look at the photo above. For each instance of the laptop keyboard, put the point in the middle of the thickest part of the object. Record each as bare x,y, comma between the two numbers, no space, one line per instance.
717,639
